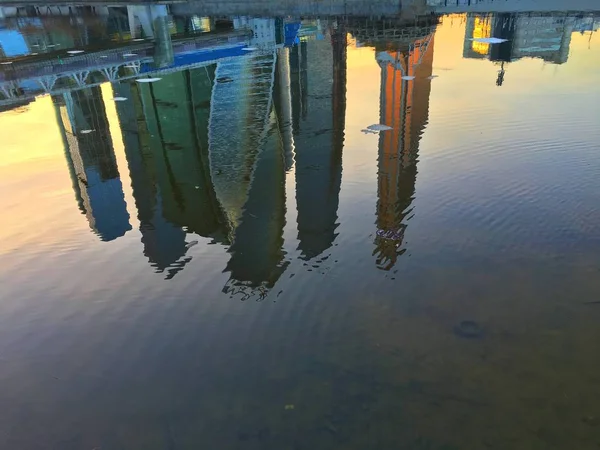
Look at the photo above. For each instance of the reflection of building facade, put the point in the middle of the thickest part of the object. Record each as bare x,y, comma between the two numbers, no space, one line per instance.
206,156
535,36
318,105
404,106
92,162
164,243
165,131
247,164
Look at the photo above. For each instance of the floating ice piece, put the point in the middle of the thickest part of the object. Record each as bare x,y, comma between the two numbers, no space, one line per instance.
119,99
6,63
75,52
366,131
408,77
147,80
86,131
378,127
128,55
249,49
490,40
431,77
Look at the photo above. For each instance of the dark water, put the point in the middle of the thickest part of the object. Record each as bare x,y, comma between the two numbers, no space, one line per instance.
225,258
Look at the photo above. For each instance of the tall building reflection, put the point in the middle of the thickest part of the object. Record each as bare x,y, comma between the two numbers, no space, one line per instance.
404,106
209,146
318,89
83,124
165,132
543,36
247,156
206,156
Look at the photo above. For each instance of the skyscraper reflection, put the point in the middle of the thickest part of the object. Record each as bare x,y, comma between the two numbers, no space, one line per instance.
547,37
248,169
164,243
319,105
83,124
165,131
404,106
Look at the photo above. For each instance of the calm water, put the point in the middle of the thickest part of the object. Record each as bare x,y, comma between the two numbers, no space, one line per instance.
227,258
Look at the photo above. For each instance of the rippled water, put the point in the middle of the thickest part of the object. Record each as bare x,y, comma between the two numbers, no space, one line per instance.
228,258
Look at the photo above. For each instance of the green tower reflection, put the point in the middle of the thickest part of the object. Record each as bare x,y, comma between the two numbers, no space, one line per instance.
165,131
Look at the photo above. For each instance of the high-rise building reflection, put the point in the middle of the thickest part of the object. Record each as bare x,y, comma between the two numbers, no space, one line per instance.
165,131
83,124
404,106
164,243
206,156
247,155
318,88
547,37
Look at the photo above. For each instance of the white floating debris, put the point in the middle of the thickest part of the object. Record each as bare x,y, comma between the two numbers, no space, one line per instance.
34,54
196,187
431,77
75,52
86,131
119,99
103,56
138,39
367,131
249,49
128,55
408,77
6,63
490,40
378,127
51,45
147,80
129,66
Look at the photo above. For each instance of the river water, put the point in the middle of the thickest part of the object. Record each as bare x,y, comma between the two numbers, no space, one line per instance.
229,258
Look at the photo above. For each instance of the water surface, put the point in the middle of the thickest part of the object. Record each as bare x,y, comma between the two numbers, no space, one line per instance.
226,259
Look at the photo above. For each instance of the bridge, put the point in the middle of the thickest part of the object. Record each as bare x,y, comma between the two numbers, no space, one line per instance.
57,73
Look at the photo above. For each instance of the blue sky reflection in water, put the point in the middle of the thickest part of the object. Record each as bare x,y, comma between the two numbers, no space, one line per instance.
224,259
